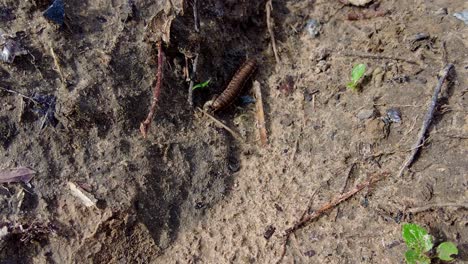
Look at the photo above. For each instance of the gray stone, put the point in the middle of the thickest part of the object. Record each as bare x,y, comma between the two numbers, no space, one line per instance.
365,114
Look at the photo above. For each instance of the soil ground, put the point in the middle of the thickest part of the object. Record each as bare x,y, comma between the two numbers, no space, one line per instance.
190,192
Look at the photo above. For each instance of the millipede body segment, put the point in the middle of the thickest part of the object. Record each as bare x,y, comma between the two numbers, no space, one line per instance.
235,86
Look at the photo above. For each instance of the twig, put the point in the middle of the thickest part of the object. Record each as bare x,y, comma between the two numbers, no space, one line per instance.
348,175
20,94
156,92
192,77
260,114
427,120
234,134
195,16
378,57
57,65
415,210
269,8
325,208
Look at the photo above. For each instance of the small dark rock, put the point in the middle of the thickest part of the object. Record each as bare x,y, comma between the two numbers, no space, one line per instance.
420,36
278,208
270,230
287,85
394,115
246,100
394,244
310,253
234,165
287,120
199,205
398,217
313,28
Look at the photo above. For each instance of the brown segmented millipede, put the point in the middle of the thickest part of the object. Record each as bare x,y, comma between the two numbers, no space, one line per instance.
235,86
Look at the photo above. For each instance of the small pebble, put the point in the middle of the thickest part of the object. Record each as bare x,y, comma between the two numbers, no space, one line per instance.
246,100
394,115
270,230
322,66
365,114
286,120
359,2
313,28
463,16
199,205
441,12
234,165
310,253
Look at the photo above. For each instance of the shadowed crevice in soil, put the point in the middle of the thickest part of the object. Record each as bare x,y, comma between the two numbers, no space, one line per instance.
189,177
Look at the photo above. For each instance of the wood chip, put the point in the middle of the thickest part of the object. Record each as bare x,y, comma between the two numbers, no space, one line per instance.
87,198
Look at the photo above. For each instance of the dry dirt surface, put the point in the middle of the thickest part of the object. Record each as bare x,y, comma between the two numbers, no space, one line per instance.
190,192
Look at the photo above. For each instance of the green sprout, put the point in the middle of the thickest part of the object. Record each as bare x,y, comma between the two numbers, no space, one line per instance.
419,243
201,85
356,75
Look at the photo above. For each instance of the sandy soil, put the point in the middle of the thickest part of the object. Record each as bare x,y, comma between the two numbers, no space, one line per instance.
192,193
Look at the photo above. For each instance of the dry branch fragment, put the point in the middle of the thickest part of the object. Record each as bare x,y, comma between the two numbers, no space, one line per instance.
221,124
156,92
427,120
85,197
306,219
269,8
415,210
260,114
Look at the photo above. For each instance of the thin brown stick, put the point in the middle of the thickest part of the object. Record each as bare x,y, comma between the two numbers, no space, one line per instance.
58,66
234,134
260,114
156,92
269,8
20,94
192,77
325,208
378,57
415,210
196,21
427,120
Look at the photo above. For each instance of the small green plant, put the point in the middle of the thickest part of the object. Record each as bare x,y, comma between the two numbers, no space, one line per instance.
419,243
201,85
356,75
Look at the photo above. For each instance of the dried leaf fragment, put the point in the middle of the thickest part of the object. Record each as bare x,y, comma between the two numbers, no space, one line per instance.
20,174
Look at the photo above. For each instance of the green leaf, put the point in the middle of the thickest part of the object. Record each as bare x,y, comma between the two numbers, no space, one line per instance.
201,85
358,72
417,238
351,85
413,257
445,250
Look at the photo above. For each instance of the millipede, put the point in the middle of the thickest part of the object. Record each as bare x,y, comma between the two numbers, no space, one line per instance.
235,86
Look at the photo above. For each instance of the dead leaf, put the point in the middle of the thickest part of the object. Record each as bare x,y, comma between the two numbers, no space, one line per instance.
20,174
159,27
